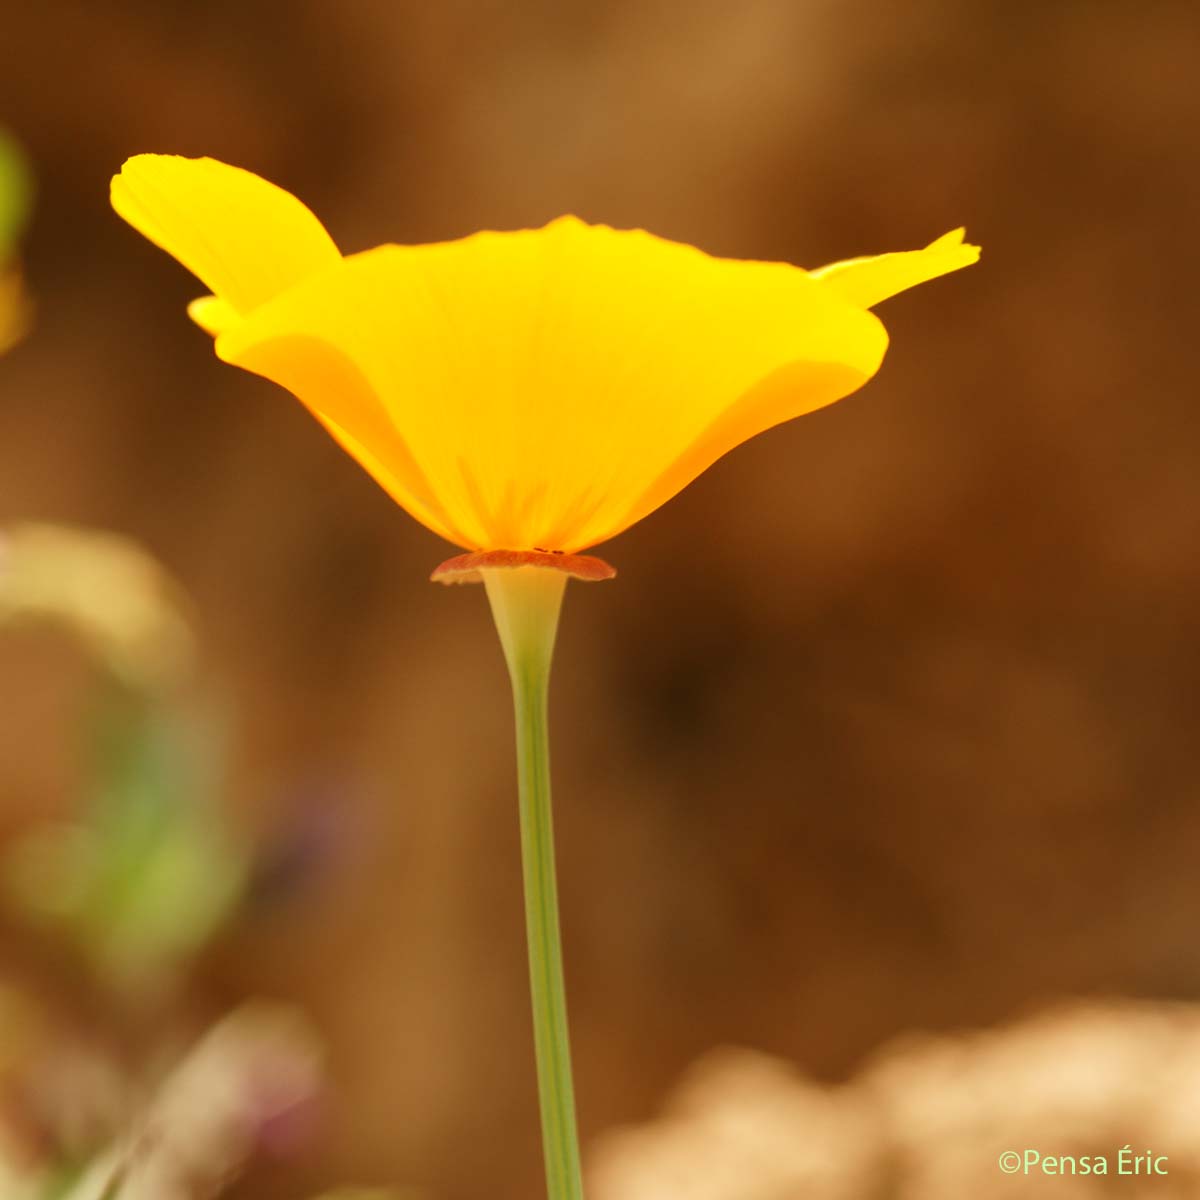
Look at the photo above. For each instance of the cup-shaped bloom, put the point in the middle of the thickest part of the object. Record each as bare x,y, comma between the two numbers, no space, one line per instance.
535,389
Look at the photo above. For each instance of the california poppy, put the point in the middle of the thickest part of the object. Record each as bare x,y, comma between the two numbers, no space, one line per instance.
525,395
539,390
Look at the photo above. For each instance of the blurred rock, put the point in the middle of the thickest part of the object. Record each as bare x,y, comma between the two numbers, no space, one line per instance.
933,1118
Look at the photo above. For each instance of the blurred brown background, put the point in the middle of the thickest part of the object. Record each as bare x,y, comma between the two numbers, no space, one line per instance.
887,724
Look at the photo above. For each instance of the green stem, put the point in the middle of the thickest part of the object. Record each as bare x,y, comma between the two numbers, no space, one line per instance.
525,604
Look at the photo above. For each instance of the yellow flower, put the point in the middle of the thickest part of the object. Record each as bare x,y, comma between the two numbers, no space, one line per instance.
541,389
525,395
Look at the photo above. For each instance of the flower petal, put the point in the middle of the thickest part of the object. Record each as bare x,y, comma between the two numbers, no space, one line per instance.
868,281
336,392
213,314
247,239
554,385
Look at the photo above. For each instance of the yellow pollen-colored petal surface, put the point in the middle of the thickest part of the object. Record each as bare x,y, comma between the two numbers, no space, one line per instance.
247,239
541,389
341,397
547,388
868,281
213,314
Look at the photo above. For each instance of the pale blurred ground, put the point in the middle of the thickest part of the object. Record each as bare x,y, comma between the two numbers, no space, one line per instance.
1086,1101
888,723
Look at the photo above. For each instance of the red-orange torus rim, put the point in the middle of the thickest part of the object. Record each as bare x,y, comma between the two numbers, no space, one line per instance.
466,568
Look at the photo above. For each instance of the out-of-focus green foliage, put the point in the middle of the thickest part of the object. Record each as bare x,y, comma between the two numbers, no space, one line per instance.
148,871
138,881
16,194
16,198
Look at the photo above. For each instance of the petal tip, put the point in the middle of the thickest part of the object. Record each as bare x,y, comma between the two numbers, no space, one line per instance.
246,238
956,240
212,314
134,170
953,238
